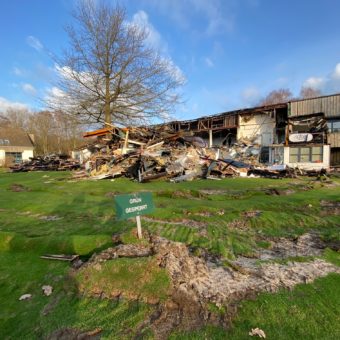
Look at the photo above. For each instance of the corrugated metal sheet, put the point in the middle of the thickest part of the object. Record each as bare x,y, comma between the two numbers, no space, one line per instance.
329,105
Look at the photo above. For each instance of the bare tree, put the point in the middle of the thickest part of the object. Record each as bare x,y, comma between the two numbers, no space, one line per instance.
54,132
17,118
110,73
309,92
277,96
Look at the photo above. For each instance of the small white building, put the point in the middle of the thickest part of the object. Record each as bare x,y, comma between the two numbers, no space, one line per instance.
16,145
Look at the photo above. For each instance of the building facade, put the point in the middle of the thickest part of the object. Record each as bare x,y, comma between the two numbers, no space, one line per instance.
301,133
16,146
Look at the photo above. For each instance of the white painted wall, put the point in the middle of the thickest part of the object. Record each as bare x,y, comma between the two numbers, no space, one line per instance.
26,154
2,157
259,127
310,166
81,155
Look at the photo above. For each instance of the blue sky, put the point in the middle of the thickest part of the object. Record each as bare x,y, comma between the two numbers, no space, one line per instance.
231,52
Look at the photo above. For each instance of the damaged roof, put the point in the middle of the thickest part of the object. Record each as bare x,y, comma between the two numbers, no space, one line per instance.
10,136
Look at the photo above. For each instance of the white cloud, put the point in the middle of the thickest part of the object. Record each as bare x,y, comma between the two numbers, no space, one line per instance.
216,15
55,92
154,39
282,81
177,72
336,72
34,42
6,104
29,89
316,83
18,72
327,84
209,62
250,96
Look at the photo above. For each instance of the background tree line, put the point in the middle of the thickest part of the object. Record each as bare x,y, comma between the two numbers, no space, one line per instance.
54,131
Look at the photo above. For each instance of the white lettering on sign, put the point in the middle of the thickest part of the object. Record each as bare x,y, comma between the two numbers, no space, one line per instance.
135,200
138,208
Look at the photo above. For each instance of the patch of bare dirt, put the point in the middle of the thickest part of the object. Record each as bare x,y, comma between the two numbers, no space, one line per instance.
122,250
252,213
74,334
185,222
240,224
214,192
279,192
306,245
197,283
330,207
18,188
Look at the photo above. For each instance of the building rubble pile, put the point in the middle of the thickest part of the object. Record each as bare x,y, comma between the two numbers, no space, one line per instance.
146,154
47,163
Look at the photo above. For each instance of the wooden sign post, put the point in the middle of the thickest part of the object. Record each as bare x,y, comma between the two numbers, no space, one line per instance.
134,205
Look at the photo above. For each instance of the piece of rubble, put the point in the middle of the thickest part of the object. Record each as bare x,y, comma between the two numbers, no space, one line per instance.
47,289
257,332
47,163
25,297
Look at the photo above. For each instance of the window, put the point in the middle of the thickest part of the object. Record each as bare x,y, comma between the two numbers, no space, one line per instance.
334,125
304,154
15,157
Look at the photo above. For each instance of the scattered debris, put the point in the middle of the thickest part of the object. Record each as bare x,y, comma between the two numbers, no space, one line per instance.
47,163
47,290
257,332
60,257
25,297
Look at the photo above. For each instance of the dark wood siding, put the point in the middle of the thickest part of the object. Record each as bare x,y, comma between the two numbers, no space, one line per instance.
335,156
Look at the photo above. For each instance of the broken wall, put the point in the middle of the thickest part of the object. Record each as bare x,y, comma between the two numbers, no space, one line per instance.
258,128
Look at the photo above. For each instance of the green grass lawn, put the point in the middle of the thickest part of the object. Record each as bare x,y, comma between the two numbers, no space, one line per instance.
44,212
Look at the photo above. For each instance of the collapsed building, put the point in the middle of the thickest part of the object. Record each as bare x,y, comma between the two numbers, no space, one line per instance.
300,134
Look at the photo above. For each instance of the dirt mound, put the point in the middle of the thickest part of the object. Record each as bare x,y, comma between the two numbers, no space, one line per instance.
197,284
122,250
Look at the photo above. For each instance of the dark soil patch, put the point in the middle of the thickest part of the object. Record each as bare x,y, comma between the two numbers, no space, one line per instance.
184,222
330,207
204,292
252,213
18,188
74,334
279,192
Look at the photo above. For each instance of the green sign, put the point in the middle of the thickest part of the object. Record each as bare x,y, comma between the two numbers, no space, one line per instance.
133,205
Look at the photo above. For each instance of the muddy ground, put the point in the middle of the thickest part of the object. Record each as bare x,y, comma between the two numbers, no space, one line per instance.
197,283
